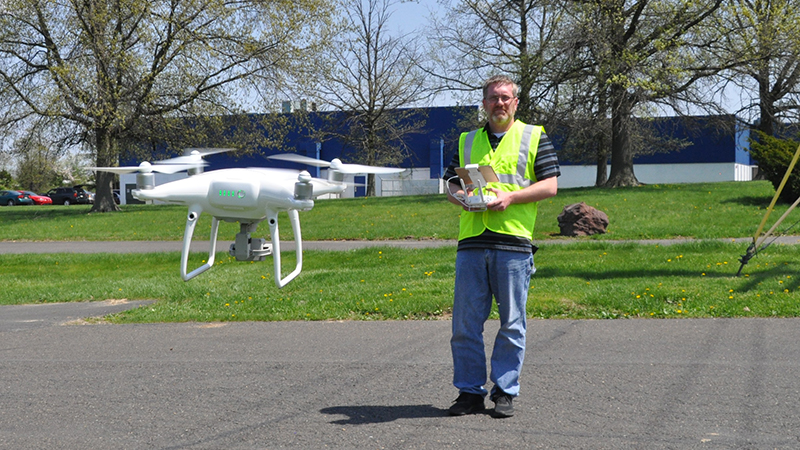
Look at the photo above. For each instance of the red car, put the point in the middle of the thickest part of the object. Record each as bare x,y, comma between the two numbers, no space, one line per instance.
38,199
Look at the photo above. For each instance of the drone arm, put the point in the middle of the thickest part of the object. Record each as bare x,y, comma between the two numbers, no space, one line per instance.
191,221
294,218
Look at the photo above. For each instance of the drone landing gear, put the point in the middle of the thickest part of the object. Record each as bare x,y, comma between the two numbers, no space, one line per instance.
191,221
294,219
245,248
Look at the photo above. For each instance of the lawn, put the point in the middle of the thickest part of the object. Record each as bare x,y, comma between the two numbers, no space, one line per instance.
596,277
704,211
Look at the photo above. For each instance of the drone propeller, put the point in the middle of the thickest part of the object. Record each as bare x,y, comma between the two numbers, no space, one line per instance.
146,167
195,156
192,160
336,164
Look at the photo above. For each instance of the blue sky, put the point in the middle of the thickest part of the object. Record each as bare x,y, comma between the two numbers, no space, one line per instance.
412,15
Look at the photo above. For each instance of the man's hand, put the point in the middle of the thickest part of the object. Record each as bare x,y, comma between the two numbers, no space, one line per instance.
536,192
503,200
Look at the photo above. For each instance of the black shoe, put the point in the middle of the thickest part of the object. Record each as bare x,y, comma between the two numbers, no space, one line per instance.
503,405
467,403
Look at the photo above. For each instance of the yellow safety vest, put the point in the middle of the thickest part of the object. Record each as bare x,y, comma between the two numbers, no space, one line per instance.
513,161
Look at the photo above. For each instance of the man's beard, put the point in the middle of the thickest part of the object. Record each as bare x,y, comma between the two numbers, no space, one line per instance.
501,117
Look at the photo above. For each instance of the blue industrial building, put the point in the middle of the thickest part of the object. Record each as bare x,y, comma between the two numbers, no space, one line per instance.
716,151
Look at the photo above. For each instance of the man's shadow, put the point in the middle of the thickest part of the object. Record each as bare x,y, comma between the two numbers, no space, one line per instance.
361,415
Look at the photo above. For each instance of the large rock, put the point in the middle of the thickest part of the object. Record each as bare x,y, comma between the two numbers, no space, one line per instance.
580,219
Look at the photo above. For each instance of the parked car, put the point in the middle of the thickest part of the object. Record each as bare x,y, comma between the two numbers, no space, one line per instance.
88,192
70,195
11,198
38,199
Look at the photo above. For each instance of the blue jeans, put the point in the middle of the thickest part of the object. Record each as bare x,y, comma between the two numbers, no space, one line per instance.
480,275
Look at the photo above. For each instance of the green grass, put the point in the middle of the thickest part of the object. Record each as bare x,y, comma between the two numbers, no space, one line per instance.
705,210
582,278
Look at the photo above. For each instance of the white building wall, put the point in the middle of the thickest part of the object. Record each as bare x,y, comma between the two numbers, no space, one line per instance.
582,176
128,180
410,182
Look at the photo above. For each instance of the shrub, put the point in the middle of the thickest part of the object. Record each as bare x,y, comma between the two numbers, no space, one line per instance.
774,156
6,180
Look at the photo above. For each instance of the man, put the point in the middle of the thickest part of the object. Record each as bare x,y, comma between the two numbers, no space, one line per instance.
495,249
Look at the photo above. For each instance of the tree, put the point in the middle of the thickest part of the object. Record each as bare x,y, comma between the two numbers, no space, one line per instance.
774,158
764,38
36,167
641,52
370,75
597,61
111,67
480,38
38,158
6,180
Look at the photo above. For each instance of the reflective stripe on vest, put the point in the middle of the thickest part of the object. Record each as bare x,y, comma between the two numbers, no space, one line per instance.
522,163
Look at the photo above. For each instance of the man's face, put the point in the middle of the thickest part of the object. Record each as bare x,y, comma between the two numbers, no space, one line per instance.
500,104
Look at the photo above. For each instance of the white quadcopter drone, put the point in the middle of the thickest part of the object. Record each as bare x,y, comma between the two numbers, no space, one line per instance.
247,196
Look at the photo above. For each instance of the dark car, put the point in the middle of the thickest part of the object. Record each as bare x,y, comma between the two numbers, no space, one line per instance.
70,195
12,198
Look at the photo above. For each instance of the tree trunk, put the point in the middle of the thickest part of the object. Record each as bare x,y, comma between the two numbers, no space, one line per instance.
621,150
766,105
602,166
370,185
104,197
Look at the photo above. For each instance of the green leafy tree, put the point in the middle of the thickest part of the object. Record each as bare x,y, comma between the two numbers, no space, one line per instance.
37,158
6,180
113,69
639,53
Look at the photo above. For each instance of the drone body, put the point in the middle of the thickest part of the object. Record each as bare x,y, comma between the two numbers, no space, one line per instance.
236,194
248,196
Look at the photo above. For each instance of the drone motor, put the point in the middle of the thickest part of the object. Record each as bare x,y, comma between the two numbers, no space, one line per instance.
303,189
145,180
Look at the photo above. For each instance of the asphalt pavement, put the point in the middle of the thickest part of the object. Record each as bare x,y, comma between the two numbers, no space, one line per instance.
616,384
70,383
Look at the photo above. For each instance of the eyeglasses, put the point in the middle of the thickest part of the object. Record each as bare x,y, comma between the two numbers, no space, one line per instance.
500,99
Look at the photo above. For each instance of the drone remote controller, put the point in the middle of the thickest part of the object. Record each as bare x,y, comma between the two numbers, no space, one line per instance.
475,177
480,200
